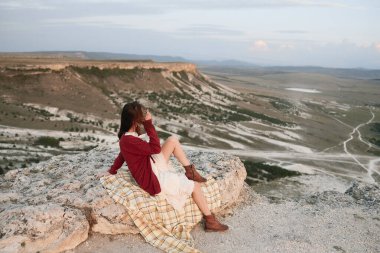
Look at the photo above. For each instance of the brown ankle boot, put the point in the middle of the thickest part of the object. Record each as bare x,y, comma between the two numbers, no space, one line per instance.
212,224
192,174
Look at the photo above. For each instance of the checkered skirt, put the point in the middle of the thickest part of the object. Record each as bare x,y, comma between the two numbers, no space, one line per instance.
158,222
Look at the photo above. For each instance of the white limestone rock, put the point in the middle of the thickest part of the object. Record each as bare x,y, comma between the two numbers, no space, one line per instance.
54,205
43,228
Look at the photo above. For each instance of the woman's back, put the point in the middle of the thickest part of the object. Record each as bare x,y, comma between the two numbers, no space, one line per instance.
137,154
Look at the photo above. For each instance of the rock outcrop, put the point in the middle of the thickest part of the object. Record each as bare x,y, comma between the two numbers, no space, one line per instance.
358,193
54,205
24,63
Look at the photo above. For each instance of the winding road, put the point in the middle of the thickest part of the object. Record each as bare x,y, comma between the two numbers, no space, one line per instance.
372,163
334,162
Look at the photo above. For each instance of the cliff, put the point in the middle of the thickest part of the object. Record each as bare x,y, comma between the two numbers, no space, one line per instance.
56,64
54,205
58,204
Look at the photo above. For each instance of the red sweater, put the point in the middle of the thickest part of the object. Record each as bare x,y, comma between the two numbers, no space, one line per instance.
137,154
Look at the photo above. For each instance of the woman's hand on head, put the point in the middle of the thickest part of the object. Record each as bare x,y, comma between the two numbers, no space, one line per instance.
148,116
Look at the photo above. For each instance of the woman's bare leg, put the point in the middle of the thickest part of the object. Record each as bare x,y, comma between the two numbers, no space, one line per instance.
173,146
199,199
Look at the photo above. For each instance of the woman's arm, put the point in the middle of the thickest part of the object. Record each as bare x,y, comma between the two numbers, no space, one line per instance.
141,147
116,164
154,141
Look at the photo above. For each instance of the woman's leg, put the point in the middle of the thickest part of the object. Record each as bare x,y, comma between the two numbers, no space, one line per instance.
173,146
199,199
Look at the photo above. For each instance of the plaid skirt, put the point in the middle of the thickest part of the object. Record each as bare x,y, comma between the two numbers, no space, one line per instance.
175,186
159,223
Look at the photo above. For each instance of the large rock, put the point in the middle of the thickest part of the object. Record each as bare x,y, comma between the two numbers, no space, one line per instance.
365,194
47,227
357,194
54,205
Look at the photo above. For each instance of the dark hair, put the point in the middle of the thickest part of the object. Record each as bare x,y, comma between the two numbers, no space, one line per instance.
132,112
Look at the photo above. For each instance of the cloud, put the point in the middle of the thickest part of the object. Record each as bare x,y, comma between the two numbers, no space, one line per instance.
209,30
259,45
104,21
167,5
377,47
293,31
25,4
287,46
243,4
344,53
149,22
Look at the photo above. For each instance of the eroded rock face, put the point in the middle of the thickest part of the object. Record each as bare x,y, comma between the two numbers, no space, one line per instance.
54,205
60,64
46,227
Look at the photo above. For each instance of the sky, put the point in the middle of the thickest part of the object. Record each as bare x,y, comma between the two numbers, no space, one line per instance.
267,32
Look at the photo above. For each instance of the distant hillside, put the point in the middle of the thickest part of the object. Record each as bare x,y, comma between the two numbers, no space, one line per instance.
69,104
227,66
65,104
98,87
98,56
101,88
252,70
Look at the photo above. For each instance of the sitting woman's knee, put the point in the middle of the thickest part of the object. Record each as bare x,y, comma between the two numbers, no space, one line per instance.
173,138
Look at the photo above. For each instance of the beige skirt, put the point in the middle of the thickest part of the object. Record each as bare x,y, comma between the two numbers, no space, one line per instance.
175,186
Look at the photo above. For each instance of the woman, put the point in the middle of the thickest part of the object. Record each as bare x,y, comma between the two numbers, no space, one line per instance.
148,163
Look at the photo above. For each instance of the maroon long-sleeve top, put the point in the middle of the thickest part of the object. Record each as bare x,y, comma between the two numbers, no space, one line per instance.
137,154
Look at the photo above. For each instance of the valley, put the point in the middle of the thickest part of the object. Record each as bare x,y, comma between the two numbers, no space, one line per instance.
309,123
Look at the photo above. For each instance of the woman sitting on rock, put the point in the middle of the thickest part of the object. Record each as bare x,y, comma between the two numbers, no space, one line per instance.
152,173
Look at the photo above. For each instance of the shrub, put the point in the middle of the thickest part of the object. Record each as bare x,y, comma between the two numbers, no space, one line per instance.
183,132
266,172
163,135
47,141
